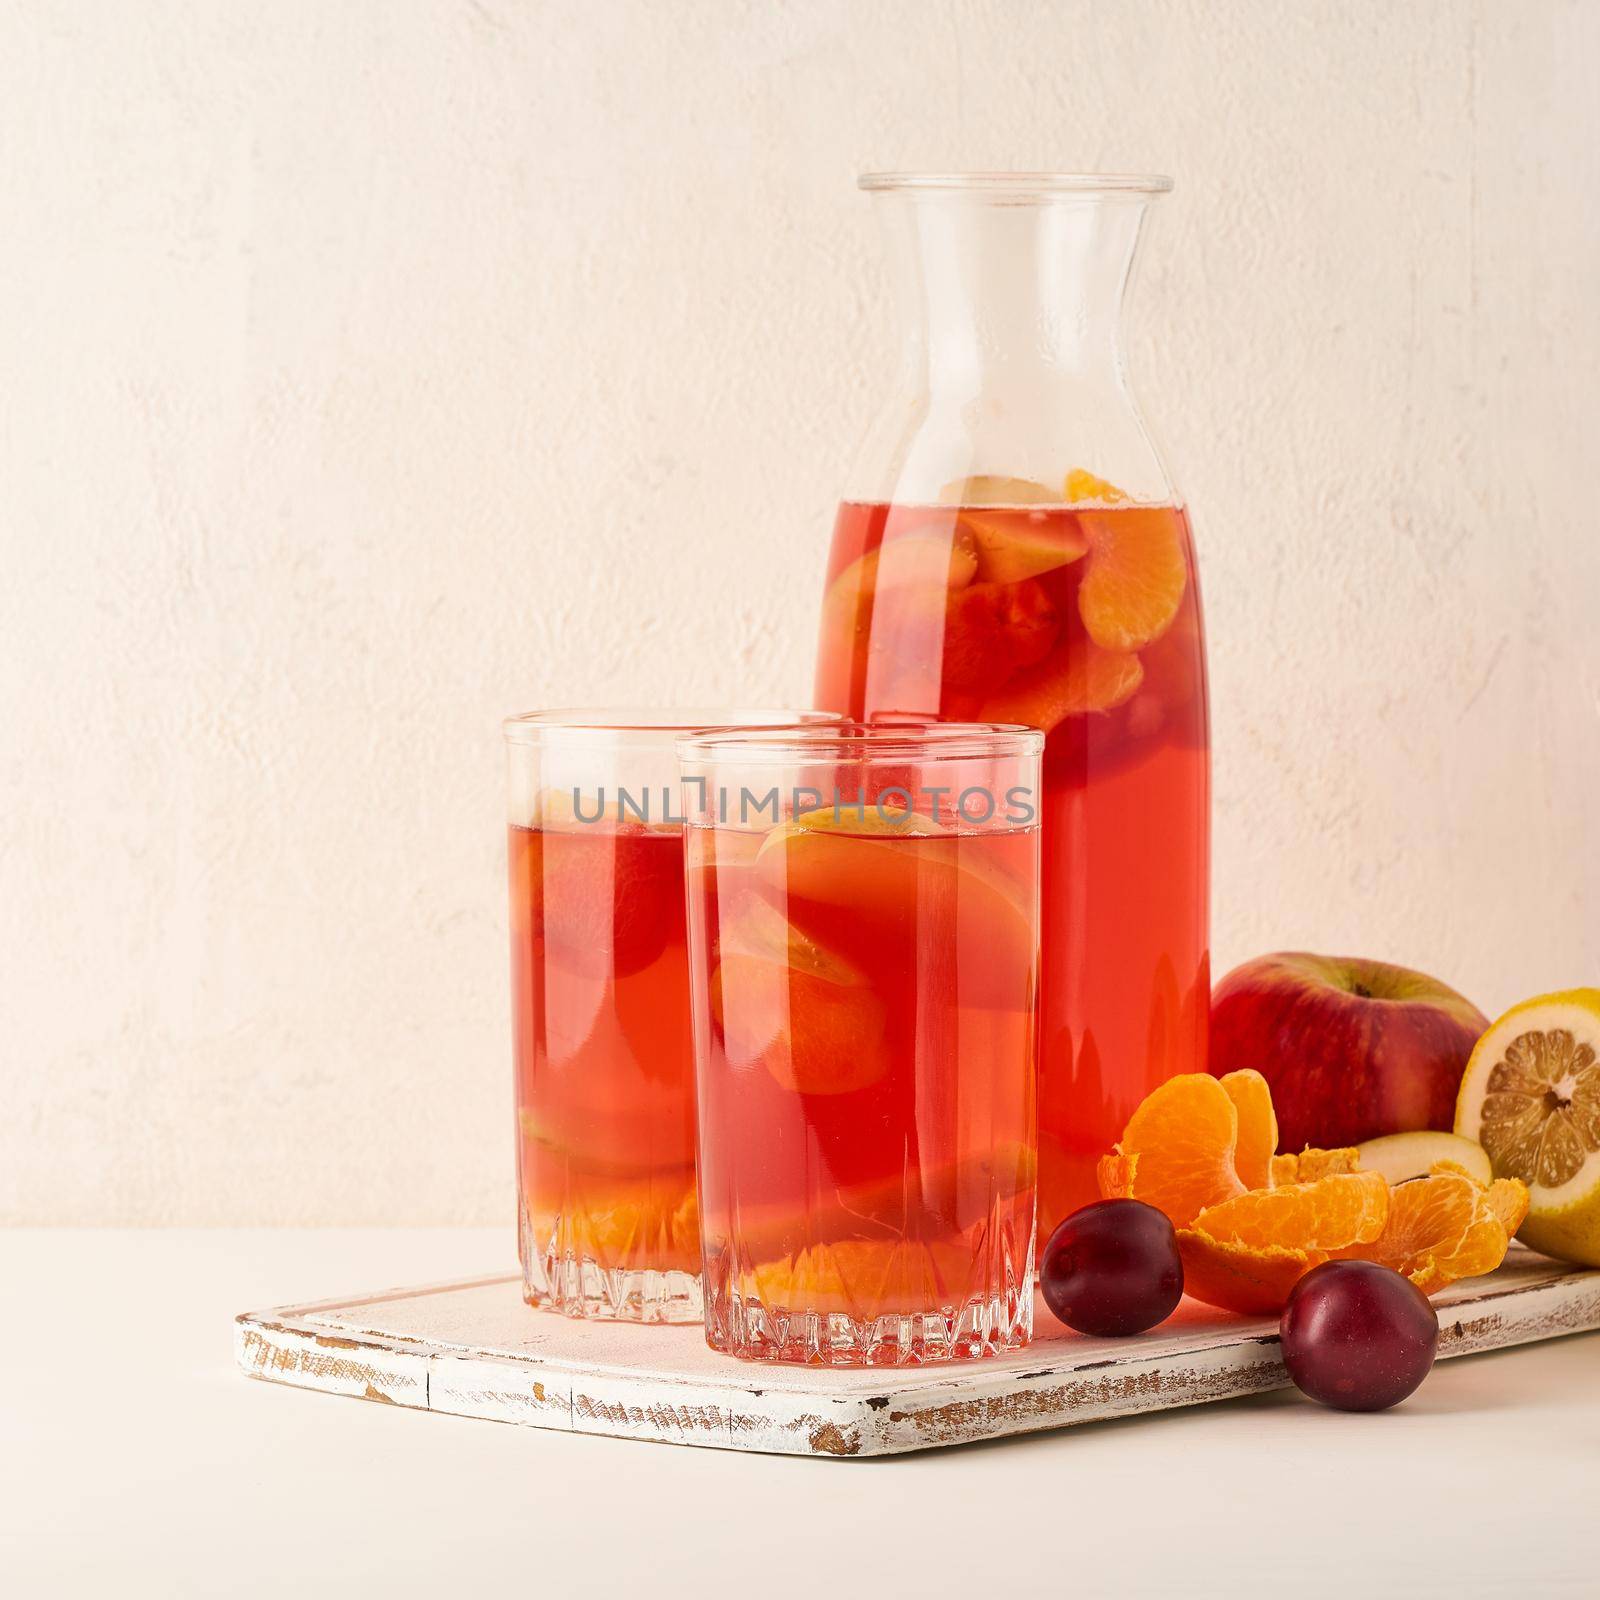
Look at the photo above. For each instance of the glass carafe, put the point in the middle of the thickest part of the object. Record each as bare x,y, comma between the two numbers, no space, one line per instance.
1010,548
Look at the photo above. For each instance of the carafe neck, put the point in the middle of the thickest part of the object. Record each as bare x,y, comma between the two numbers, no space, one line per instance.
998,295
1011,288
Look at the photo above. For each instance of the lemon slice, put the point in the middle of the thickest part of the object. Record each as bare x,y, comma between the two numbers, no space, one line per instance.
1531,1098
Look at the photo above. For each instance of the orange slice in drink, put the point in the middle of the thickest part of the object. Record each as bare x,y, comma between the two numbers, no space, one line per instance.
1015,539
865,1278
1075,679
872,890
929,554
925,551
804,1013
921,570
1135,577
917,563
844,857
889,1245
814,1036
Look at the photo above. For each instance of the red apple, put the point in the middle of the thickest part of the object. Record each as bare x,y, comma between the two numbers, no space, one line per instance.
1351,1048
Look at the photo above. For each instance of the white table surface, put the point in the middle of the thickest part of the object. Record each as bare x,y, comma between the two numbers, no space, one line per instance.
134,1460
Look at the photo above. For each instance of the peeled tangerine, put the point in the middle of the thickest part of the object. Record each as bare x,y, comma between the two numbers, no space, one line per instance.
1531,1097
1251,1224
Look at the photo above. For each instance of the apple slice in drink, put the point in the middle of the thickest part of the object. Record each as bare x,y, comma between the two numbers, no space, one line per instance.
1014,543
991,489
890,605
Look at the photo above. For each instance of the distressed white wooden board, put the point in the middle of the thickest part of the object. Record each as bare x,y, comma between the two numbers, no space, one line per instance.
473,1349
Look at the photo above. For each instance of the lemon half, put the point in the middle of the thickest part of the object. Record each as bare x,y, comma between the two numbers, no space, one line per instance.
1531,1098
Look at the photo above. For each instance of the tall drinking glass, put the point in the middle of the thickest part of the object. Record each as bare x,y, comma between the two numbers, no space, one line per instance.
607,1222
863,935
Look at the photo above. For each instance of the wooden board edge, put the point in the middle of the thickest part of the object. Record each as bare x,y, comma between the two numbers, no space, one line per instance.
279,1346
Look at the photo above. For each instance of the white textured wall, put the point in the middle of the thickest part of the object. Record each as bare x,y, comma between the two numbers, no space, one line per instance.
370,370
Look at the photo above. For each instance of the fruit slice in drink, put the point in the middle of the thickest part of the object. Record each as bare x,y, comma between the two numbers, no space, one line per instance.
1076,680
603,898
877,1249
1135,575
863,885
779,1000
1014,544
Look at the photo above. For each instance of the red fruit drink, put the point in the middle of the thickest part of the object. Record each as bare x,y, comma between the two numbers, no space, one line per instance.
604,1070
1082,619
865,1012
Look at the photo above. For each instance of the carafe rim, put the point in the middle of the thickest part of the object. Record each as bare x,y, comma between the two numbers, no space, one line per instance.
1018,186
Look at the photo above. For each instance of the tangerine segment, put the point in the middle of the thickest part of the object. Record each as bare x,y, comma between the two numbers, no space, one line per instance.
1321,1217
1014,543
1311,1164
1508,1198
1247,1253
1446,1226
1258,1126
1135,578
1084,486
1253,1282
1073,680
1177,1152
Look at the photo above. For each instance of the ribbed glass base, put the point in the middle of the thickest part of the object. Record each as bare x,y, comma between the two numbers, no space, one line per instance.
982,1325
578,1286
